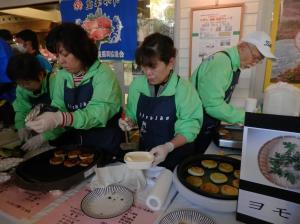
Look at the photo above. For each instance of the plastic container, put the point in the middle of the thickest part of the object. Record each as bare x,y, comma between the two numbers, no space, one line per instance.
138,160
282,99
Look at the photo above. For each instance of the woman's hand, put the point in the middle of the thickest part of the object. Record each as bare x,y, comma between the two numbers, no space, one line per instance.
46,121
161,152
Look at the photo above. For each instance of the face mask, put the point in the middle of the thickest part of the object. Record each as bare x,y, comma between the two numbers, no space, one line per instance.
19,48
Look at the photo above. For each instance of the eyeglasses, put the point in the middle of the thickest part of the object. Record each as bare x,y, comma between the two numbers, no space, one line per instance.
256,55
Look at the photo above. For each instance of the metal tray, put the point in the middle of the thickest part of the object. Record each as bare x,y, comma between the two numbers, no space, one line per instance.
182,173
233,138
38,174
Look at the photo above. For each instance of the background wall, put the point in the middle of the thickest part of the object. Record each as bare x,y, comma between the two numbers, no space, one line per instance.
257,16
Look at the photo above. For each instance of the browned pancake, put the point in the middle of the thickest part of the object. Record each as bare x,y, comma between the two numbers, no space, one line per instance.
73,154
194,181
210,188
71,162
56,160
229,190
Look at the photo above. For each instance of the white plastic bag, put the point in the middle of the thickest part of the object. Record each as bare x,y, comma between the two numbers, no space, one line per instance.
282,99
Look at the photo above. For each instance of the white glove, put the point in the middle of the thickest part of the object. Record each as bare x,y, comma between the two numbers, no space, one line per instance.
160,152
46,121
33,113
24,134
126,124
34,142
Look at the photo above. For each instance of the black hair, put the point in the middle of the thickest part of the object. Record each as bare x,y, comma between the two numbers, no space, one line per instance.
25,67
29,35
155,46
6,35
74,39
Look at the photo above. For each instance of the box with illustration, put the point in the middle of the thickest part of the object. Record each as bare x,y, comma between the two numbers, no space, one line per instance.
270,170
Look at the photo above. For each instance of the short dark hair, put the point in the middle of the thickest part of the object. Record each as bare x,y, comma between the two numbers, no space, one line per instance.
24,67
155,46
6,35
75,40
29,35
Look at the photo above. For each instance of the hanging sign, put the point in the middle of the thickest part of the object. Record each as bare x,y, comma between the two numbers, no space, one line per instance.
270,170
111,23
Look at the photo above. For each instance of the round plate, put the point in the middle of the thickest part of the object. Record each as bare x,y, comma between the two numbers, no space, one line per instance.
190,216
278,161
182,173
109,202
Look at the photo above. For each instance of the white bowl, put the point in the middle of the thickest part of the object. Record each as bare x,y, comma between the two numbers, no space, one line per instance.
212,204
138,160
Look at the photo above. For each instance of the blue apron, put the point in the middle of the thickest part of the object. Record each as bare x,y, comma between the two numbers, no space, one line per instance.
107,138
156,117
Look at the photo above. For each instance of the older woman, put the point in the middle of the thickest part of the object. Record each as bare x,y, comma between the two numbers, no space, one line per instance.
165,107
87,93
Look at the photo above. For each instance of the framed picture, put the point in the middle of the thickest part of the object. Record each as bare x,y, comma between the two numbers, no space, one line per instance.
213,28
285,32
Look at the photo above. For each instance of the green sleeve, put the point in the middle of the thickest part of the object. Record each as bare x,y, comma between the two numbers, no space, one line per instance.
188,111
214,79
22,107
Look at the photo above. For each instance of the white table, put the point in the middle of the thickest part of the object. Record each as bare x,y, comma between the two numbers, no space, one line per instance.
175,202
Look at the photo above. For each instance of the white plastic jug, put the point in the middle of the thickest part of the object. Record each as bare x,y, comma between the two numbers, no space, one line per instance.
282,99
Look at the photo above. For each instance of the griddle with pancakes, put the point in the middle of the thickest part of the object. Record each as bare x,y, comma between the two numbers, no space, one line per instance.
38,174
183,175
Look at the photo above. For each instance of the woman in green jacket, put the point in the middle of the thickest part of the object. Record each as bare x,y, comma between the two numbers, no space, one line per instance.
165,107
87,93
35,87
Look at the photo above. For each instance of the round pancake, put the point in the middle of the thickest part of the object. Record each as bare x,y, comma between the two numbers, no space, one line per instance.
196,171
236,173
59,153
73,154
194,181
86,155
225,167
236,183
208,163
218,178
210,188
56,160
71,162
229,190
86,162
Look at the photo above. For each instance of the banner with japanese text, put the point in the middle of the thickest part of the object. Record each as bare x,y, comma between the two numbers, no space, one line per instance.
111,23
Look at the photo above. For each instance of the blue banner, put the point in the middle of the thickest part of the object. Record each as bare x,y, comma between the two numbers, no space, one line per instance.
111,23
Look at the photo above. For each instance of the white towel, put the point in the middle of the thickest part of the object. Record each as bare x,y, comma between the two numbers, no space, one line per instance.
119,174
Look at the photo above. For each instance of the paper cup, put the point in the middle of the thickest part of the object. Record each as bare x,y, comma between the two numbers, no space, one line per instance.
250,105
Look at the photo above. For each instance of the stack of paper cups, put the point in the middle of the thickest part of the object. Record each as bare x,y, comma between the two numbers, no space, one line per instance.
250,105
160,191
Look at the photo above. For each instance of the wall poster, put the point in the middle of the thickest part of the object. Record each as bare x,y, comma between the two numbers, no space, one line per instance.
213,28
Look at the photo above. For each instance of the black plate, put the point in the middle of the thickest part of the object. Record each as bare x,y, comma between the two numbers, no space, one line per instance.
38,174
182,173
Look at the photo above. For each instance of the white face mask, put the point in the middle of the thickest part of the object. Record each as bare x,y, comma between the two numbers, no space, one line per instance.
19,48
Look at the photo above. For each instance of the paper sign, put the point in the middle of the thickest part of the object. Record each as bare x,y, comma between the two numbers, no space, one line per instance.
70,212
20,203
270,170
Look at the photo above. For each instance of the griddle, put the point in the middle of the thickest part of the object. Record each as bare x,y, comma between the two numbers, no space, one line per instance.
37,173
233,138
196,161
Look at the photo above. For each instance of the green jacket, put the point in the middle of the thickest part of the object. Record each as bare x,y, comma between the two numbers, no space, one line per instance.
22,106
188,105
106,100
214,78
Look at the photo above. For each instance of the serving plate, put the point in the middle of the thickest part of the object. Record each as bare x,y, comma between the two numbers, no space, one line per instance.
109,202
190,216
182,174
279,161
37,173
